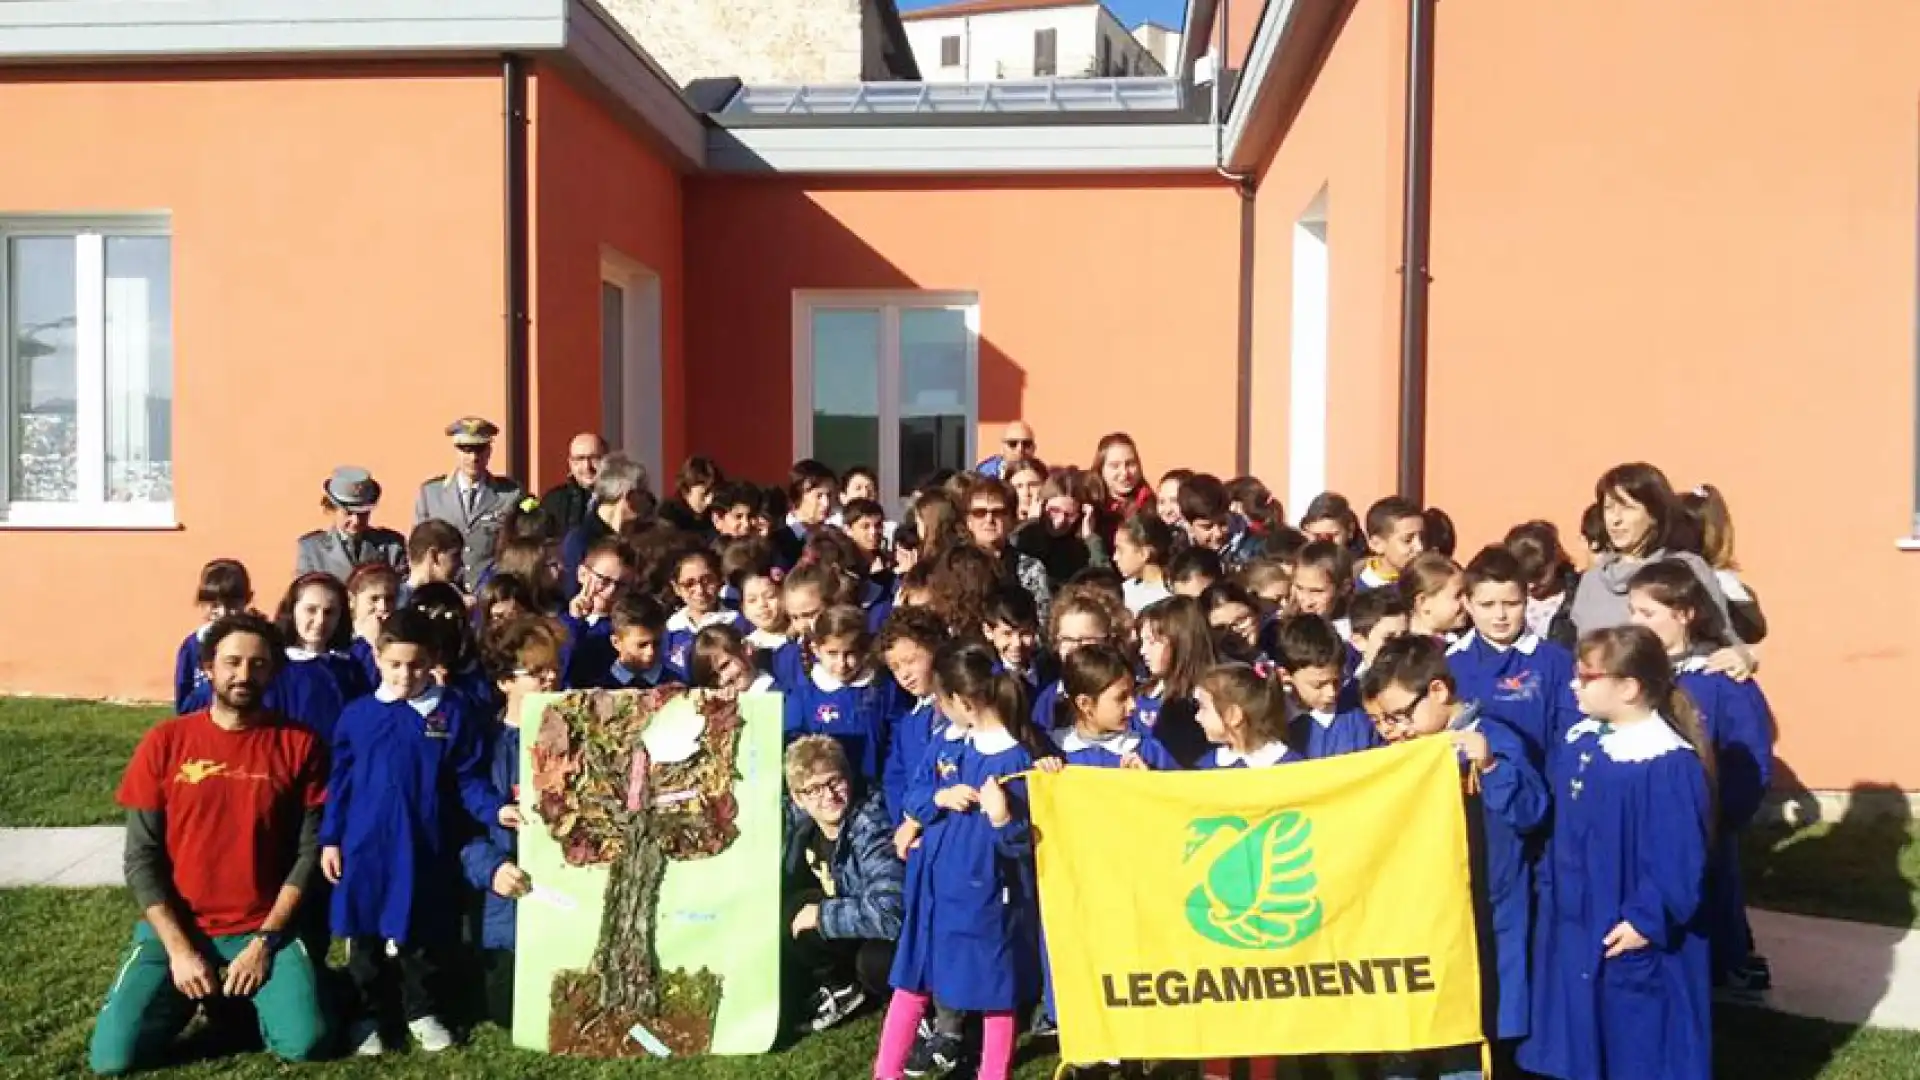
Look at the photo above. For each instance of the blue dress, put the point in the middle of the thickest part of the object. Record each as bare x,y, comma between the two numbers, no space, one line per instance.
1316,735
1107,752
855,714
362,653
912,729
1528,684
401,773
1514,805
1739,724
1045,701
971,932
587,654
1629,843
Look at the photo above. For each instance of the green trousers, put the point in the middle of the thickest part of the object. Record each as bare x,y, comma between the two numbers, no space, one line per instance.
145,1011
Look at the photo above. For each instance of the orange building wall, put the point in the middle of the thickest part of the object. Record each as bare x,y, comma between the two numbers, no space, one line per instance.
595,186
1346,137
1685,233
336,277
1104,305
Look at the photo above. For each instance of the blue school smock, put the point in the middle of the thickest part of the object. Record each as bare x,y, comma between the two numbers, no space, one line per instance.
911,729
970,936
587,653
1316,735
361,652
1628,843
1739,726
1045,701
682,627
1274,753
1107,752
402,773
854,714
349,675
482,855
188,675
790,666
1514,805
1528,684
619,676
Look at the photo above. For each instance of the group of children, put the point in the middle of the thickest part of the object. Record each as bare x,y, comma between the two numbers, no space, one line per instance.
1609,772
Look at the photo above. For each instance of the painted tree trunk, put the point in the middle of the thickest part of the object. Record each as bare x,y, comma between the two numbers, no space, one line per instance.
624,958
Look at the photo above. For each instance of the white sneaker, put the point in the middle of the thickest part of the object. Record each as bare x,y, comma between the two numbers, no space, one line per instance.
366,1040
431,1034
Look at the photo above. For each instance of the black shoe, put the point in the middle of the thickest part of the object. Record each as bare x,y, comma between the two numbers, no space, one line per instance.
935,1055
833,1005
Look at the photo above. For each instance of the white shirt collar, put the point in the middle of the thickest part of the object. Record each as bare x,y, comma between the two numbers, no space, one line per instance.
1271,754
1119,744
1524,644
423,703
766,639
681,622
1690,664
761,684
991,742
300,655
1643,741
201,634
829,684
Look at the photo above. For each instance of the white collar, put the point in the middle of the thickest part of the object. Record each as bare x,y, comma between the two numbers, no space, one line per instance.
423,703
830,684
991,742
1643,741
761,683
299,655
1524,644
1324,719
1119,744
953,732
923,703
1691,664
767,639
201,634
1271,754
680,621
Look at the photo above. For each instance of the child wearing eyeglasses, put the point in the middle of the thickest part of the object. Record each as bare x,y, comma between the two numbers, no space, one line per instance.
695,577
604,574
1622,964
1082,615
1410,694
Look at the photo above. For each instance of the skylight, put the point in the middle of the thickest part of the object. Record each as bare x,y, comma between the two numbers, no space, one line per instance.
1137,94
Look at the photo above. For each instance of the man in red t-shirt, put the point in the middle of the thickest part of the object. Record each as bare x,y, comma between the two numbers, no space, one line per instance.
223,818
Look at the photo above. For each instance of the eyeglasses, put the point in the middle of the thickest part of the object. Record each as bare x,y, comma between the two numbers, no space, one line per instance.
1069,644
539,674
1585,676
582,458
1402,717
598,577
835,785
984,513
704,581
1019,444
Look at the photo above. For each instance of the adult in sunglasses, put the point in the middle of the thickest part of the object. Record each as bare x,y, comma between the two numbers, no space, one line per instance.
1016,445
986,506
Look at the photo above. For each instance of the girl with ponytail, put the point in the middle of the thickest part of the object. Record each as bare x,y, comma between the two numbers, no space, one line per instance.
1622,986
970,939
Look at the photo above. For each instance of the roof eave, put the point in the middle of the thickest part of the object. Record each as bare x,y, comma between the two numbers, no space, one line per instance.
1030,149
1292,37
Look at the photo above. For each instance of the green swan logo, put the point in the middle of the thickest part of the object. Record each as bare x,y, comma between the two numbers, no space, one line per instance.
1256,888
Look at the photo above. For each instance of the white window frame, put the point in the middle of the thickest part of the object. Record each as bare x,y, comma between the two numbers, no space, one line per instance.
890,305
92,510
642,384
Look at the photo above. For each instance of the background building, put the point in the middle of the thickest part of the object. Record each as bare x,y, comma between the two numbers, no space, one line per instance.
982,40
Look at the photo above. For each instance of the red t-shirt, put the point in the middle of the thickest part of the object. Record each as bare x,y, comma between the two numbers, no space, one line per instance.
234,801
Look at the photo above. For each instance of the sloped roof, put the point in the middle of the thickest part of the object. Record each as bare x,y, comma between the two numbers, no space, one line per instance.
959,8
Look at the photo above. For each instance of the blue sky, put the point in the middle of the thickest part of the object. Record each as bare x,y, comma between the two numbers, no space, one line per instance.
1130,12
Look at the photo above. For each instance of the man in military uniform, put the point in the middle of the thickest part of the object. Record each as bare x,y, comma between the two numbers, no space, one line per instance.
351,493
470,498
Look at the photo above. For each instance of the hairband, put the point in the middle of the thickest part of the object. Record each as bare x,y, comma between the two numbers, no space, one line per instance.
529,504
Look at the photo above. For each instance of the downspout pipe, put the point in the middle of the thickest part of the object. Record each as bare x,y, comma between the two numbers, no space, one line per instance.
1416,235
513,78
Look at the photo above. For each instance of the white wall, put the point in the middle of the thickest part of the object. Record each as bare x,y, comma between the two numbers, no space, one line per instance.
1000,45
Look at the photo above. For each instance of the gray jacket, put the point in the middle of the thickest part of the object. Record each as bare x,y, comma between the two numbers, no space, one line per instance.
440,498
1600,601
326,550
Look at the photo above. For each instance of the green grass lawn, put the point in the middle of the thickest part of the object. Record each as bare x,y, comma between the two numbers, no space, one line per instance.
1866,871
64,759
60,947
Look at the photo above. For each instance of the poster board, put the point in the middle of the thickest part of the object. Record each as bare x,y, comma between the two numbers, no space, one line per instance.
715,920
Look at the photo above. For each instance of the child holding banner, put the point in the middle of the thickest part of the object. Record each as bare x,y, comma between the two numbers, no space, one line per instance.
1410,693
1621,982
970,936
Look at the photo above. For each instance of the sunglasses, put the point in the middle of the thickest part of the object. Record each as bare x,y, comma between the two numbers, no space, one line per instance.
1019,444
984,513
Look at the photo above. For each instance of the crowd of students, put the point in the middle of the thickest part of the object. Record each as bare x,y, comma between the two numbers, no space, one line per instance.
1612,738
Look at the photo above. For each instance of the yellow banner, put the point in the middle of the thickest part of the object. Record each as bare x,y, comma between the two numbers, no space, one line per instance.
1322,907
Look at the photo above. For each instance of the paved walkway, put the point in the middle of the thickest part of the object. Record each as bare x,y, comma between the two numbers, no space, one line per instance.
1849,973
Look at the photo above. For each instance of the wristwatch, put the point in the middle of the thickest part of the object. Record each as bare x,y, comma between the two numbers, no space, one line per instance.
273,939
